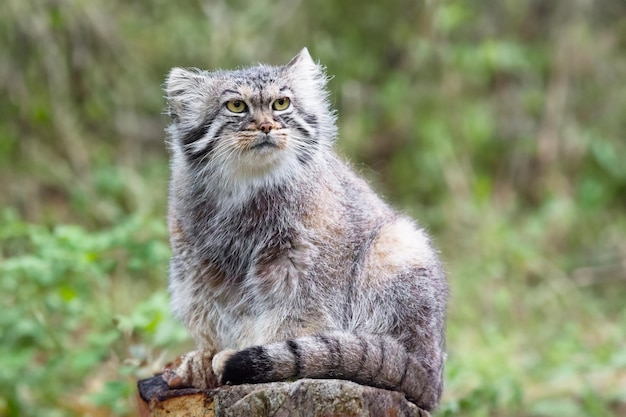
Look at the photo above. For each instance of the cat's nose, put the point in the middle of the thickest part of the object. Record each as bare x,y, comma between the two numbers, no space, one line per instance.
266,127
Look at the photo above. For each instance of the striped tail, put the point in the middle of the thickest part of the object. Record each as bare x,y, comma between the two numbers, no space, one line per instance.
376,361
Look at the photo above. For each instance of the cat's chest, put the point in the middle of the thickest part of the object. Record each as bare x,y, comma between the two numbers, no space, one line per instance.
252,244
281,262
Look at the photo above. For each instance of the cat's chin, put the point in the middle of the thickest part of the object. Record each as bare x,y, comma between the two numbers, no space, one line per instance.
239,183
263,146
261,161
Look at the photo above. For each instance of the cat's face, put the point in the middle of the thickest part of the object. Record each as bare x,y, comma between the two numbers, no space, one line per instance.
253,122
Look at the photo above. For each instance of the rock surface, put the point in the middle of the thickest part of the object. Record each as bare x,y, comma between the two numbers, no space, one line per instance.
302,398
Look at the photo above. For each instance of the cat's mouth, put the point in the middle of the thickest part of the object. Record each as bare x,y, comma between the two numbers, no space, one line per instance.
264,142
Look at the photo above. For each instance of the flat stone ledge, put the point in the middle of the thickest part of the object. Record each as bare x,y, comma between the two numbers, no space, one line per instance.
301,398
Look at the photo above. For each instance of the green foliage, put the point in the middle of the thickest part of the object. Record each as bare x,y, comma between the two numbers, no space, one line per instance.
500,125
64,314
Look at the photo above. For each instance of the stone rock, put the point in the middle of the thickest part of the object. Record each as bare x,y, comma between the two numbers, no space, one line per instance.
301,398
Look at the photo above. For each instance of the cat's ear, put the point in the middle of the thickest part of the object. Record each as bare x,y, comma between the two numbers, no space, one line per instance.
302,59
304,66
184,90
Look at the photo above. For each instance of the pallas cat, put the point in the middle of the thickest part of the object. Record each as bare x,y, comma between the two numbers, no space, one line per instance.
285,264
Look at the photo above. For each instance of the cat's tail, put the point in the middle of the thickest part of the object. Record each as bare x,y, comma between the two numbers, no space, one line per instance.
376,361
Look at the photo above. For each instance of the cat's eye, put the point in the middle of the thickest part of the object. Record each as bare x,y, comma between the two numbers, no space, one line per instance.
236,106
281,103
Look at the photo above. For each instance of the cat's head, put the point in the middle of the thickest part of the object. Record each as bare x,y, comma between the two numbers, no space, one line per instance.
257,122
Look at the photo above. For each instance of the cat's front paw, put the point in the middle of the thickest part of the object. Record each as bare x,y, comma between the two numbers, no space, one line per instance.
219,363
248,366
194,369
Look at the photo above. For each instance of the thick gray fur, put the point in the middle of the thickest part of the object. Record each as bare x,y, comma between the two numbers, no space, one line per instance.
285,264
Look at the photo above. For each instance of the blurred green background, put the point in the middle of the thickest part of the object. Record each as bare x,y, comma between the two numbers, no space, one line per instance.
501,125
